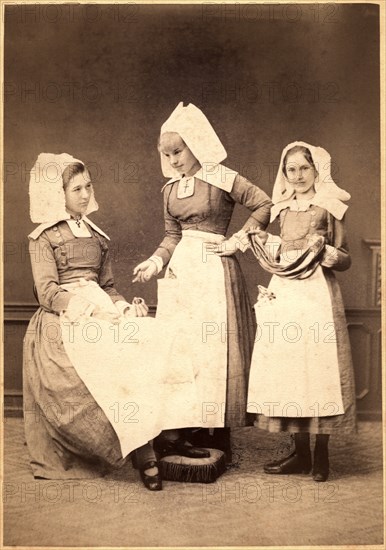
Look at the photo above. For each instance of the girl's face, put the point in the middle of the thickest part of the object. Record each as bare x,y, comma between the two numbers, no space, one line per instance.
78,194
301,175
178,154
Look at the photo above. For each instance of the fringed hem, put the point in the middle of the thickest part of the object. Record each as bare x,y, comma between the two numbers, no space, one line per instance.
177,468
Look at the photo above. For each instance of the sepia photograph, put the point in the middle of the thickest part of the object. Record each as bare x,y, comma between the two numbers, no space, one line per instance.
193,248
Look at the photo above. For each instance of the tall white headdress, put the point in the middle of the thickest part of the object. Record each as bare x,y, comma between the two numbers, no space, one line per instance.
47,199
198,134
327,194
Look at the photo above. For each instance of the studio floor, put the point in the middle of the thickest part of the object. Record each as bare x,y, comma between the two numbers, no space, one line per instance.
245,507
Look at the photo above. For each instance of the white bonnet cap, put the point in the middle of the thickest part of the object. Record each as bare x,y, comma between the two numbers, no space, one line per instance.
198,134
47,199
327,193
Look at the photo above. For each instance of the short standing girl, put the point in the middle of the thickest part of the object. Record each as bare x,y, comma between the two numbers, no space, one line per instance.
301,378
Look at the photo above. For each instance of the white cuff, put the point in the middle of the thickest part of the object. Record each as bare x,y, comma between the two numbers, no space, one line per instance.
121,306
242,241
158,262
330,256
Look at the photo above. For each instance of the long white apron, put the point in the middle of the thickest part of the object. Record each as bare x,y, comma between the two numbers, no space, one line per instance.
294,370
192,298
125,369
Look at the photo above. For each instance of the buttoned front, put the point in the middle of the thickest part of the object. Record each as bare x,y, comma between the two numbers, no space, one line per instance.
209,209
298,227
57,258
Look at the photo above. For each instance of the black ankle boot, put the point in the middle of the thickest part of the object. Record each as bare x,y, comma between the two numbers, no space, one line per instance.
292,464
299,462
321,467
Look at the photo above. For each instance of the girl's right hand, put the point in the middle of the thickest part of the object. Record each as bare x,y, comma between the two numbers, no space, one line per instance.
144,271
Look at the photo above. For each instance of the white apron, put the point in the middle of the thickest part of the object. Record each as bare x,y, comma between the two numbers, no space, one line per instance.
192,298
124,368
294,370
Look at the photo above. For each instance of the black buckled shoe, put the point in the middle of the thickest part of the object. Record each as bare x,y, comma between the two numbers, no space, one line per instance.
181,447
219,438
154,482
291,464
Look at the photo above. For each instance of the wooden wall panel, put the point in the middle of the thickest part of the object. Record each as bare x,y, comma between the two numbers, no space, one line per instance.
365,337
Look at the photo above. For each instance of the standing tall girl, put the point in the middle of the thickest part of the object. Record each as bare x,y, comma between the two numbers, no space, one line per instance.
206,293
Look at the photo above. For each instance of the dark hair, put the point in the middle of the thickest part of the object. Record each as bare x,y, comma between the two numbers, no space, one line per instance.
297,149
72,170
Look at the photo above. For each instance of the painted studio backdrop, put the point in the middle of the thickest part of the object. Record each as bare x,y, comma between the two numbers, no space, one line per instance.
97,81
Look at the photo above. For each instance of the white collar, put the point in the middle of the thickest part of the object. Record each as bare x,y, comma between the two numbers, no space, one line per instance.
334,206
300,205
217,175
43,226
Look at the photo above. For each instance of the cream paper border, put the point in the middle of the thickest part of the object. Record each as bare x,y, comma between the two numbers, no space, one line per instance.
382,6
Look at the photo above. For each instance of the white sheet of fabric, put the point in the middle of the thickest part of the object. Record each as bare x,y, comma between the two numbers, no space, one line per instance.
125,369
328,195
192,297
47,199
198,134
295,363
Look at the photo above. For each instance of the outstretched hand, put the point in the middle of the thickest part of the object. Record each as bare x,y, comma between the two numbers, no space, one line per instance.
144,271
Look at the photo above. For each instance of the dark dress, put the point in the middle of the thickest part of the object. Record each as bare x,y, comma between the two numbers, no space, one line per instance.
296,228
209,209
67,433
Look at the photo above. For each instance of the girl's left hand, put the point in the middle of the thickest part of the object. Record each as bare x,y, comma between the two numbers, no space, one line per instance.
238,241
226,248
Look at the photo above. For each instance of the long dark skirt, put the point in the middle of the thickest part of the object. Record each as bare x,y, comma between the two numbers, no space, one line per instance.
241,333
67,433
